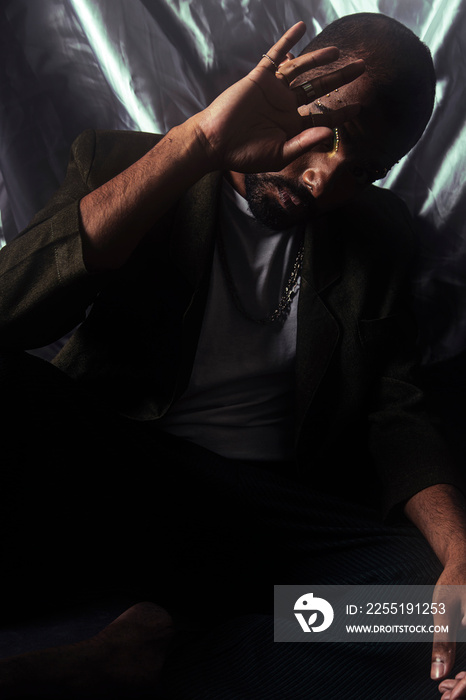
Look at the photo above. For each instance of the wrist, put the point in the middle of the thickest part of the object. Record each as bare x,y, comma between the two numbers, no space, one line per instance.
455,554
439,513
194,147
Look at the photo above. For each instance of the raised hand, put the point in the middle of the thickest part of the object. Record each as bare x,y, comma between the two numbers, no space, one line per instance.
255,125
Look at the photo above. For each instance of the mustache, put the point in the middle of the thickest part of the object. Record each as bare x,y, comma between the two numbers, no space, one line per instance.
294,188
266,196
262,181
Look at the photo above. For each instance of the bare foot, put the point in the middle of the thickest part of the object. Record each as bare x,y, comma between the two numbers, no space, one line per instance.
122,661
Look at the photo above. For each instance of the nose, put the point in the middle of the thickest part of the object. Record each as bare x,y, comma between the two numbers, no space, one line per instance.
320,177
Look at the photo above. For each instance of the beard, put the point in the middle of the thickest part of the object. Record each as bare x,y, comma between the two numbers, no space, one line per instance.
267,208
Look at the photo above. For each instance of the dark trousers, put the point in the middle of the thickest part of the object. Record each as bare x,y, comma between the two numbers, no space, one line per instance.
94,504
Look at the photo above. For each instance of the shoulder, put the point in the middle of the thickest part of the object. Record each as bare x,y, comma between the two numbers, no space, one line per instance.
378,221
380,203
383,210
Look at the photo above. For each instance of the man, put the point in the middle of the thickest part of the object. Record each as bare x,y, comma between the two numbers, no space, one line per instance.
240,364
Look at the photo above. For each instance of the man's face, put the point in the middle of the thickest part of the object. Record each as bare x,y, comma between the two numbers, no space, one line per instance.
327,177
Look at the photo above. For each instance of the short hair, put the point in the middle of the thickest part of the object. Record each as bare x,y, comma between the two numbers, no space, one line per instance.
398,63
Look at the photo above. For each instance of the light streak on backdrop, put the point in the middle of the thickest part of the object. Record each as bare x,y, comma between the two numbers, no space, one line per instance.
113,65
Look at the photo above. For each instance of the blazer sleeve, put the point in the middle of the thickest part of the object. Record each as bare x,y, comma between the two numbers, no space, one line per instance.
409,450
408,447
45,288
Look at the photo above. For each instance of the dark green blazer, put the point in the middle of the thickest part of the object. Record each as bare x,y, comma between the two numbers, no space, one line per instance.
361,430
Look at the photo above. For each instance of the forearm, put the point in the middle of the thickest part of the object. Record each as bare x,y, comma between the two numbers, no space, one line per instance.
440,514
117,215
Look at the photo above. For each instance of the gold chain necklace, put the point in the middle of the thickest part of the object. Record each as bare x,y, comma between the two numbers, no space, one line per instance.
284,305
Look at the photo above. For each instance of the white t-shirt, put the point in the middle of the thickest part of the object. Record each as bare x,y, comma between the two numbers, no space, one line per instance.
240,398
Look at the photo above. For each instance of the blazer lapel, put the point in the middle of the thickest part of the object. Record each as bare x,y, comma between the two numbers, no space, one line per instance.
318,330
192,246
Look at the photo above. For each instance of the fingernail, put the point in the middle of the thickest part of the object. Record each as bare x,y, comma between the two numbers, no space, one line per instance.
437,670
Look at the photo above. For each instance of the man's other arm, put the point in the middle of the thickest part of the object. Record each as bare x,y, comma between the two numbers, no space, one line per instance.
439,512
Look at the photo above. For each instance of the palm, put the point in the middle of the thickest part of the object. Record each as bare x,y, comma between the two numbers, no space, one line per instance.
248,125
255,126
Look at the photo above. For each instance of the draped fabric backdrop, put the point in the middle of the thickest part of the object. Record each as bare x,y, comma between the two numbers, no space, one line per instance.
147,65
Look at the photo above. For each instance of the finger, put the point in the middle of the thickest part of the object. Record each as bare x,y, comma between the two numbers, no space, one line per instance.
289,57
446,626
290,70
459,691
293,69
443,658
277,53
453,690
326,83
301,64
332,118
444,642
451,683
312,89
303,142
